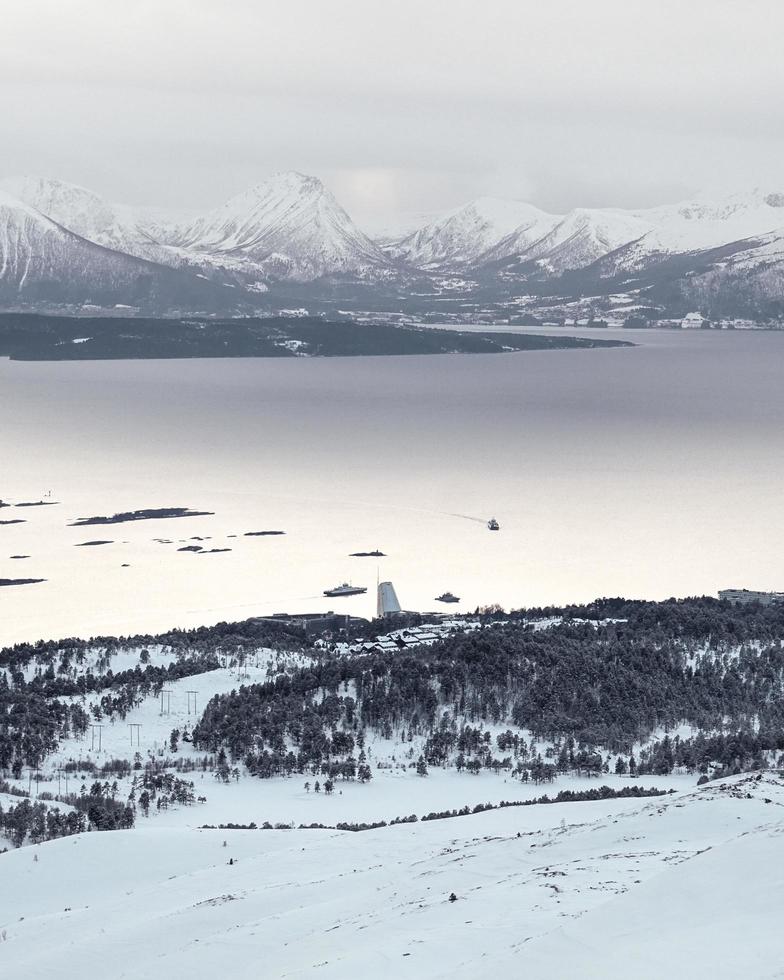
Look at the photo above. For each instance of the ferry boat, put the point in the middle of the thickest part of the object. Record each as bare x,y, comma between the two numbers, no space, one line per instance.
447,597
344,590
493,525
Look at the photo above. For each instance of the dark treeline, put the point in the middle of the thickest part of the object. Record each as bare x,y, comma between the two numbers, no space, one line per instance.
565,796
227,637
96,808
26,336
729,753
582,685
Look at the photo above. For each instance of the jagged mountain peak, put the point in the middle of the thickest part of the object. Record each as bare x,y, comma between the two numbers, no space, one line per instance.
288,225
569,241
464,234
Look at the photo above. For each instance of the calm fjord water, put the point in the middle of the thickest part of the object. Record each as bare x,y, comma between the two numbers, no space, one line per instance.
649,471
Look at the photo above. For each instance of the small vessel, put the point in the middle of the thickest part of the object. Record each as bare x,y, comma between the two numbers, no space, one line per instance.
344,590
493,525
447,597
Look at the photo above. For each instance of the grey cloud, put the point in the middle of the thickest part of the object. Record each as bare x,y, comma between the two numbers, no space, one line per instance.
183,103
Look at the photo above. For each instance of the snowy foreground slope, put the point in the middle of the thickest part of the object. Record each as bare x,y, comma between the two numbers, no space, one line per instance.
687,886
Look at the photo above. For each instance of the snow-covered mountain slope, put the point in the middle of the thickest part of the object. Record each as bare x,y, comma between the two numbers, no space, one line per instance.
135,231
290,226
687,886
741,280
41,262
511,234
289,231
580,238
462,236
698,226
706,223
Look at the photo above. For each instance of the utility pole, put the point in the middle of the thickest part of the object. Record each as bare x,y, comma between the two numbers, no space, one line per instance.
135,729
165,702
93,729
62,774
189,693
30,773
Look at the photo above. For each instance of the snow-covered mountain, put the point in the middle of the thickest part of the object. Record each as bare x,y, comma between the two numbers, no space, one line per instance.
42,262
490,231
65,244
576,240
290,226
694,227
706,223
463,236
135,231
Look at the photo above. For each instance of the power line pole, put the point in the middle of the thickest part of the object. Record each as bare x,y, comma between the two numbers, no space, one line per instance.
93,729
165,702
135,730
61,774
189,693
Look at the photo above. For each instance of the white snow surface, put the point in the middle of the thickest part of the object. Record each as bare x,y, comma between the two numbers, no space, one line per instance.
705,223
684,886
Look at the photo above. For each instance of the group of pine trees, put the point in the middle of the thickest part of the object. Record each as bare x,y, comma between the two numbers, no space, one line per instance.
576,697
606,678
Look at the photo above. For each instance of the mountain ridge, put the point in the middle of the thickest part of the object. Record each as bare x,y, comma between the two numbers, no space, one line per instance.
287,242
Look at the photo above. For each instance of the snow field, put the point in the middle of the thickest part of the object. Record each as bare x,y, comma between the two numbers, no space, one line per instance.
687,886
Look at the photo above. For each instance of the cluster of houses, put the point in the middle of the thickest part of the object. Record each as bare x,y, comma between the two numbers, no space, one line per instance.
415,636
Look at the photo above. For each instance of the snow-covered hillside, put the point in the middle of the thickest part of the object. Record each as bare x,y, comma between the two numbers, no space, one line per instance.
41,259
493,230
688,886
267,806
135,231
464,235
44,263
290,226
706,223
580,238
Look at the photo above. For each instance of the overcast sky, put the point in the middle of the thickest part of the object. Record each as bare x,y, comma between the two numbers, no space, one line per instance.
396,104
